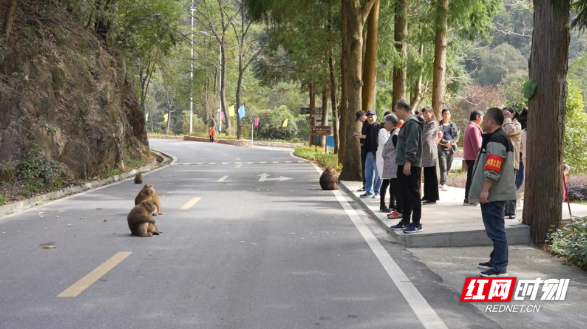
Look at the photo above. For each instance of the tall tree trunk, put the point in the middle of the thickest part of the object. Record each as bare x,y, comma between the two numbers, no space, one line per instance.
546,117
325,92
333,88
343,85
418,93
312,105
223,87
9,18
400,34
440,44
356,18
370,63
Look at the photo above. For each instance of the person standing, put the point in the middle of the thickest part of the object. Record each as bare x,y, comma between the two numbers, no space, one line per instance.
360,119
409,171
388,168
447,146
373,182
429,156
521,176
211,134
513,128
471,145
492,185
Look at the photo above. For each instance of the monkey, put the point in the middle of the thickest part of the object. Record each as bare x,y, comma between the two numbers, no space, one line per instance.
139,178
329,179
140,221
148,193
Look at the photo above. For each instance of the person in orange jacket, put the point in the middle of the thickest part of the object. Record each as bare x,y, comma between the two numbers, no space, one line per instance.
211,134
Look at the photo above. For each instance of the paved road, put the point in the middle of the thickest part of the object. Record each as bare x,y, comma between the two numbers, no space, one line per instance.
242,253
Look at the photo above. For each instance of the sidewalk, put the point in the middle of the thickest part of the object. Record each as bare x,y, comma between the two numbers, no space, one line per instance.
449,223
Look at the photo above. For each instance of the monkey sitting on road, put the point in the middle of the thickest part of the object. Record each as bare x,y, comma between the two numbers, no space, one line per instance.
140,221
148,193
329,179
139,178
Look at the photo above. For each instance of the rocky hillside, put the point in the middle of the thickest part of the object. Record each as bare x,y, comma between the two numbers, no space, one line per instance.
66,96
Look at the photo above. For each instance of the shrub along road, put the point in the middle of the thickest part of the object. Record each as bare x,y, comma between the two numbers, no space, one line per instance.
249,241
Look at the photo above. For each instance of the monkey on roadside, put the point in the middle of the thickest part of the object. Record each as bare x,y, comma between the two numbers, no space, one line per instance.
329,179
139,178
148,193
140,221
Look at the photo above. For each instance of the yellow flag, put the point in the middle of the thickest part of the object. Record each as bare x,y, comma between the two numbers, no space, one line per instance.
231,110
284,123
165,116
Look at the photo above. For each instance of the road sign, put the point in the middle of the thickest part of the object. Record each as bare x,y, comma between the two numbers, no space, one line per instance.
321,130
307,110
265,179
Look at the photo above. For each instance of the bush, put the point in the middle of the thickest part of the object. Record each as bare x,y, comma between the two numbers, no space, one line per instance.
8,173
324,160
40,174
576,132
570,242
577,187
295,140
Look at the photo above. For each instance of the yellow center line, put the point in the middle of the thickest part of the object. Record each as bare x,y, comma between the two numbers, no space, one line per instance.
262,162
225,163
275,162
186,164
222,179
250,162
212,163
190,204
301,161
238,166
77,288
287,161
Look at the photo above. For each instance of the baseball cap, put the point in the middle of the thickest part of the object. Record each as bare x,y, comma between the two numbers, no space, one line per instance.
371,113
359,114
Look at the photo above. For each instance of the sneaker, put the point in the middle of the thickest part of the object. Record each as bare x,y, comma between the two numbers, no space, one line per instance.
512,217
425,203
485,266
366,195
413,228
394,215
492,273
444,187
398,227
362,189
384,209
375,196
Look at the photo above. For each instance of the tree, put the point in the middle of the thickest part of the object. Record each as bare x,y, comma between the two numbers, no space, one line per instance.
356,16
400,36
546,117
370,62
440,44
497,63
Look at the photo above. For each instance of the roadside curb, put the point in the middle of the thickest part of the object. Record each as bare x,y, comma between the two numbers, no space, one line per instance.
365,207
26,204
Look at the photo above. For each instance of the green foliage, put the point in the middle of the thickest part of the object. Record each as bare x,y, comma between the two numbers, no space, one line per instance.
570,242
40,174
2,199
318,155
497,63
271,124
9,174
576,131
511,86
529,88
577,75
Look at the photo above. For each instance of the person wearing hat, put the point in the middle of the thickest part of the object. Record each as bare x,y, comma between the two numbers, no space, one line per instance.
361,118
370,135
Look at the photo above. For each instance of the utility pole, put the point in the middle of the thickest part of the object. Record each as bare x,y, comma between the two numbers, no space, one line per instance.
192,71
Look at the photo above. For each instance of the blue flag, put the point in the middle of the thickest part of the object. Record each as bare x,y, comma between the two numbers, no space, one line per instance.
241,112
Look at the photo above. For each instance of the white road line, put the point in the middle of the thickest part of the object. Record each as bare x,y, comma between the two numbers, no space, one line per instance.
239,159
238,166
419,305
222,179
223,153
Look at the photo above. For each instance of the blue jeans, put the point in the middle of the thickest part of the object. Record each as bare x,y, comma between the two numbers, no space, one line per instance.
521,175
494,222
510,205
371,175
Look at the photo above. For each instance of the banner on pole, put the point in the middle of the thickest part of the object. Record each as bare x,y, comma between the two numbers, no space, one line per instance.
241,112
257,122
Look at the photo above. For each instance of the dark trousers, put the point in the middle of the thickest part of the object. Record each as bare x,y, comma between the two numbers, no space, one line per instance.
211,139
430,185
510,205
396,187
363,160
470,165
410,186
383,192
521,175
445,158
494,222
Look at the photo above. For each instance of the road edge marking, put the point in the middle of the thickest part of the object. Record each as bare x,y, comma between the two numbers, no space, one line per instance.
425,313
84,283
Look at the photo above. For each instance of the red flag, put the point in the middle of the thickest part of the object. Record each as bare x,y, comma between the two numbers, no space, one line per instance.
257,122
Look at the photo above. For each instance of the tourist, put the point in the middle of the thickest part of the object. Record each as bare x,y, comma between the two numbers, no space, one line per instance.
370,135
429,156
492,185
471,145
360,119
513,128
388,169
447,147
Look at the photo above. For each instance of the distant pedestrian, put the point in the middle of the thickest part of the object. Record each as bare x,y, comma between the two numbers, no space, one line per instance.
361,117
566,170
409,171
211,134
471,145
513,128
521,175
492,185
388,170
429,156
447,147
373,182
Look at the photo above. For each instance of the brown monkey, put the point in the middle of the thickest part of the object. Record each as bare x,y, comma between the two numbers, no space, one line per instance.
140,221
139,178
329,179
148,193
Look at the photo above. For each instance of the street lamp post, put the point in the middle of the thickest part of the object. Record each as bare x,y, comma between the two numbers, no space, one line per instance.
192,71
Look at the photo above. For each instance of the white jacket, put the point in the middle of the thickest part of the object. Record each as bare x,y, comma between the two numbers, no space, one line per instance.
382,138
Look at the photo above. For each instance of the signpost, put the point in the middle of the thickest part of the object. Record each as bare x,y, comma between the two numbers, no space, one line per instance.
321,131
307,110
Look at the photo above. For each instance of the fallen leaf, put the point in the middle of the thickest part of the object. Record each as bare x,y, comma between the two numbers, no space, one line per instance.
98,208
48,247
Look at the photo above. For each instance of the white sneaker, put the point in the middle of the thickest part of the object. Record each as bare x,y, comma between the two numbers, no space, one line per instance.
445,187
